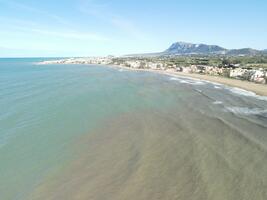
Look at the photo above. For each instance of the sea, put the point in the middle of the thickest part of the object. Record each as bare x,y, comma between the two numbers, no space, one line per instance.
102,133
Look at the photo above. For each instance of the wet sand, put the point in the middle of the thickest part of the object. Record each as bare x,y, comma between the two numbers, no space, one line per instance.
156,154
259,89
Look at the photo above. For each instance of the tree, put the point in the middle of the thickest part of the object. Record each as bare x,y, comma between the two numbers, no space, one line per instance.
226,62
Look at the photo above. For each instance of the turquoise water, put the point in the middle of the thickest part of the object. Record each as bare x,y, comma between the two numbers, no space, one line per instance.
45,108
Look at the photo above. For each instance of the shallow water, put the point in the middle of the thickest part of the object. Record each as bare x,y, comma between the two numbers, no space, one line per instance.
93,132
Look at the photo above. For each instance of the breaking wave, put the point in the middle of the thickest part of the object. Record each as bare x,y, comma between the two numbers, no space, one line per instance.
247,111
188,81
217,87
217,102
174,79
247,93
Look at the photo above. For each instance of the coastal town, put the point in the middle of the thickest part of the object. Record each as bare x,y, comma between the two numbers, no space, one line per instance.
224,68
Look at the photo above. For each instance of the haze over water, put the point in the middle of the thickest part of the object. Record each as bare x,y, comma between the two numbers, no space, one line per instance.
95,132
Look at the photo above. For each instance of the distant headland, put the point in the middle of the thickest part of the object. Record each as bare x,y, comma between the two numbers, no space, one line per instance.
239,68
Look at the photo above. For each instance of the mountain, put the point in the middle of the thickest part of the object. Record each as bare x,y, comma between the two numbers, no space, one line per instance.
244,51
184,48
189,48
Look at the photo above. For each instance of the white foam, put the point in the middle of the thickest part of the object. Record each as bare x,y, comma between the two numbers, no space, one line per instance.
200,91
217,87
247,111
243,92
188,81
212,83
217,102
235,90
174,79
183,81
197,83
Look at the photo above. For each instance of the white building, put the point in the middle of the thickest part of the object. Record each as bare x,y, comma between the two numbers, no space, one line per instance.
258,76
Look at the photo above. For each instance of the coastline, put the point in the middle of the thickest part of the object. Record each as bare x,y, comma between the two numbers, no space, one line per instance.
124,131
258,89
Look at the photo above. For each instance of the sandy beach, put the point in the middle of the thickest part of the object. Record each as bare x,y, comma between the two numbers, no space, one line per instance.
259,89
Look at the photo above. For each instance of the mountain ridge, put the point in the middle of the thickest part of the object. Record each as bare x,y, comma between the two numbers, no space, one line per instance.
188,48
185,48
182,48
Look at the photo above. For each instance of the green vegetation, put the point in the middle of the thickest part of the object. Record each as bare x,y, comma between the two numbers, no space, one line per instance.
257,61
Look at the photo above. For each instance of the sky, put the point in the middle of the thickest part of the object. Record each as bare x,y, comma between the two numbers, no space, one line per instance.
55,28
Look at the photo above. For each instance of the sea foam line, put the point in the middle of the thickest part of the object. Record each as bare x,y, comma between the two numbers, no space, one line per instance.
247,93
247,111
188,81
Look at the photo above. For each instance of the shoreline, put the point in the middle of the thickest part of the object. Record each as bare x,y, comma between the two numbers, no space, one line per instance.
258,89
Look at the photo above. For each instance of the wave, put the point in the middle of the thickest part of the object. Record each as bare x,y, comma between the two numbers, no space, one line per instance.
188,81
247,93
174,79
234,90
217,102
247,111
217,87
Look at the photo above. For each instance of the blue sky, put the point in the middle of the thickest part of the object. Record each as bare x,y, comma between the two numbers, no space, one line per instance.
117,27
